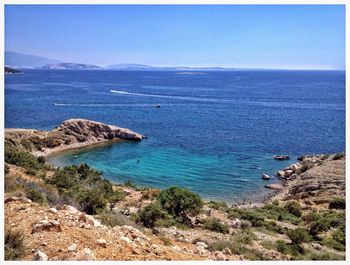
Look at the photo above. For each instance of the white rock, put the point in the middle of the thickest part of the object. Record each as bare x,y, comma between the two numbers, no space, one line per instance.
201,244
38,255
87,254
316,246
72,248
127,240
101,242
235,223
53,210
126,191
70,208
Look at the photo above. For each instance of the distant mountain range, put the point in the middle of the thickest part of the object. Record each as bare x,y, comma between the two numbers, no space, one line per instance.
25,61
19,60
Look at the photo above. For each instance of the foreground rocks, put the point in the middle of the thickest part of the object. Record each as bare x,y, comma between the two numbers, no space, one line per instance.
68,234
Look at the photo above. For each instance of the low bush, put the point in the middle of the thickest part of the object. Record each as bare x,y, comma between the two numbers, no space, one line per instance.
180,202
332,243
338,156
218,205
35,195
86,186
299,235
302,169
129,183
239,245
288,249
11,184
21,158
293,208
149,194
166,241
14,245
322,223
112,219
256,218
150,214
216,225
26,144
337,203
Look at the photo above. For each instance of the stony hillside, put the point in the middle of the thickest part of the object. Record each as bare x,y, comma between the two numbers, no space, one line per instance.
72,213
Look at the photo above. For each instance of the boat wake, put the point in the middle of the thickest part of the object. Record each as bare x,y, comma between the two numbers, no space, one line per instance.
166,96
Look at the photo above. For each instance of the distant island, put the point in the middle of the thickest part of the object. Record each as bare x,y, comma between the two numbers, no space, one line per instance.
9,70
71,66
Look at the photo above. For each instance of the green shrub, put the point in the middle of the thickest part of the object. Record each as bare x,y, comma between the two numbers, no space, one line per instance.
337,203
91,201
216,225
51,142
293,208
256,218
338,156
35,195
180,202
274,211
235,247
288,249
222,206
330,242
272,226
303,169
150,214
21,158
130,183
10,184
245,237
112,219
85,186
324,222
299,235
14,245
41,160
26,144
238,244
166,241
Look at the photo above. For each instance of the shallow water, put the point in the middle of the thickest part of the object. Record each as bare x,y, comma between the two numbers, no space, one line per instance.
215,133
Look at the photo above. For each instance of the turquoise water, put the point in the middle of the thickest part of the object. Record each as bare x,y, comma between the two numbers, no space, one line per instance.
215,133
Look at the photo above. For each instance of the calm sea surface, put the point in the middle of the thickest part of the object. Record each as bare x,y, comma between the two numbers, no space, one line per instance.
215,132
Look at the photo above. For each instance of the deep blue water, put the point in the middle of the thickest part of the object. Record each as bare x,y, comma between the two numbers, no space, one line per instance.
215,132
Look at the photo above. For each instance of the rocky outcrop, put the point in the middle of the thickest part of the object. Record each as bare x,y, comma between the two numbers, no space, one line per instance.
71,134
314,179
96,131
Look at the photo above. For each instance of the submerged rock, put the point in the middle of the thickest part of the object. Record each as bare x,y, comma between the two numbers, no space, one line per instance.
281,157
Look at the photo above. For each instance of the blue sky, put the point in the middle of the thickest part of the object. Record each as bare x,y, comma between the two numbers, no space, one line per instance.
284,36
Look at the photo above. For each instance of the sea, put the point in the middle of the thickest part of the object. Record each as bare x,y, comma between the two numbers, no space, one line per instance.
214,132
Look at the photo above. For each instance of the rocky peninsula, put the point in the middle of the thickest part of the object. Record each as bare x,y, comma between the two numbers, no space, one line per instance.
71,134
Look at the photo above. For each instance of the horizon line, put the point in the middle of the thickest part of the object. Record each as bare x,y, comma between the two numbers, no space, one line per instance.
105,67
